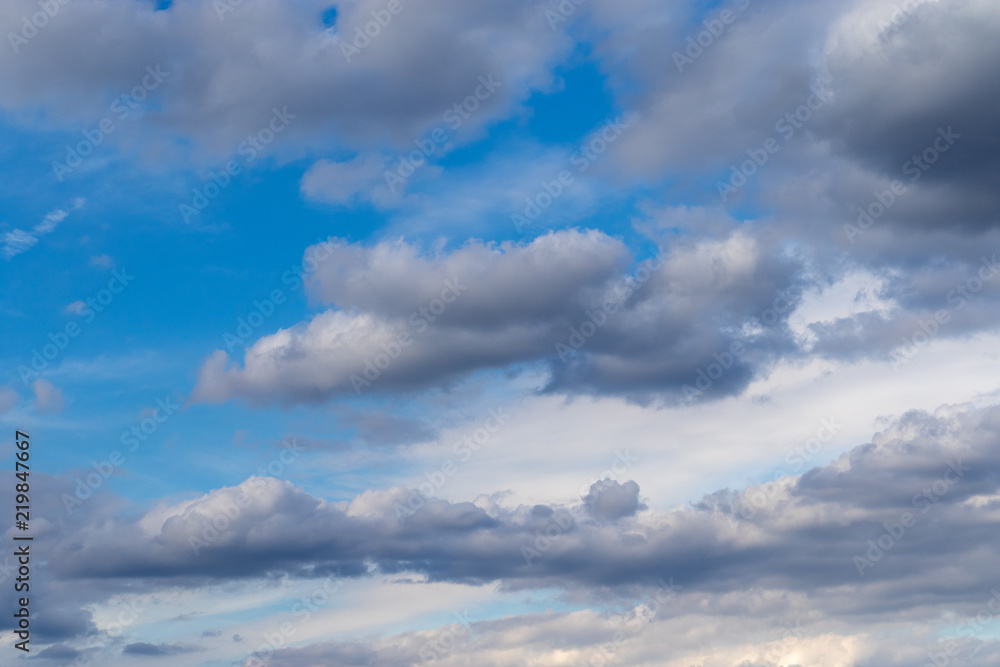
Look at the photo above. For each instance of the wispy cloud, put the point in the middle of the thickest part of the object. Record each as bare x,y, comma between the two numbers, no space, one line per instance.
18,241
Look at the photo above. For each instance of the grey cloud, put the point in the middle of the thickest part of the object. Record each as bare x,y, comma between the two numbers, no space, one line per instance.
750,75
565,299
382,430
762,628
224,75
59,652
611,500
801,534
937,300
497,284
895,77
549,638
372,429
796,539
345,182
157,650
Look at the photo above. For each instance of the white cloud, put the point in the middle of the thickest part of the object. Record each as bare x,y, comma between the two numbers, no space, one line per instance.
18,241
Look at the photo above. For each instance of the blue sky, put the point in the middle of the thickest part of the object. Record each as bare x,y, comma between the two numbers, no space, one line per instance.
529,330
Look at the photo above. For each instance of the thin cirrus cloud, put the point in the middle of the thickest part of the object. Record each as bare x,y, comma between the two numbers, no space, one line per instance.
18,241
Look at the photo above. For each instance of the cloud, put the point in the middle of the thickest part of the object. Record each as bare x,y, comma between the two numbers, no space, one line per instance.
59,652
885,107
409,321
19,241
920,498
875,558
16,242
358,179
861,532
876,57
759,64
48,398
610,500
380,429
339,100
845,548
76,308
761,629
157,650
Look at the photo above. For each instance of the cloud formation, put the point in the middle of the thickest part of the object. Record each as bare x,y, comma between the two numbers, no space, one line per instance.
567,299
338,98
842,546
18,241
919,492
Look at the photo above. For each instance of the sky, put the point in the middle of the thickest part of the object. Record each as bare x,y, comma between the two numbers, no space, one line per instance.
508,332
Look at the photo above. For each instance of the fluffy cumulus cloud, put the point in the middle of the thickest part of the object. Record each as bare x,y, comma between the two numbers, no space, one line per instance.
574,300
